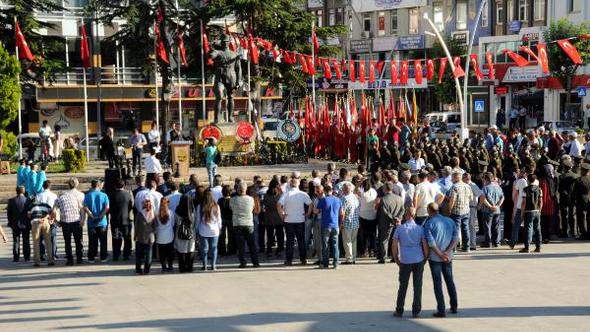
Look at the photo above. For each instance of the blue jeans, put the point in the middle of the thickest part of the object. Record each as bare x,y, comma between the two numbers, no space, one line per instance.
143,255
462,222
516,227
208,244
211,172
295,230
446,270
492,228
405,270
532,221
330,239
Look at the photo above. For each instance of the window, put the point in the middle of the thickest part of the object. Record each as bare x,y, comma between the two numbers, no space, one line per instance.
339,15
438,15
484,15
381,24
523,10
510,10
413,26
540,10
393,21
319,15
367,23
499,13
461,23
331,17
572,5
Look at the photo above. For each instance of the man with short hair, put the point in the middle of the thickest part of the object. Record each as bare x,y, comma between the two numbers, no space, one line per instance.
460,196
217,186
70,204
517,195
137,143
532,204
389,214
41,219
442,236
491,200
48,197
329,207
243,208
292,207
121,204
153,168
425,193
96,206
473,204
349,217
16,213
210,156
409,250
174,196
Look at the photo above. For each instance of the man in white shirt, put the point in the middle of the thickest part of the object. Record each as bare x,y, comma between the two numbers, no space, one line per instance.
217,187
153,137
417,162
174,196
513,116
424,194
48,197
153,168
291,206
574,145
517,196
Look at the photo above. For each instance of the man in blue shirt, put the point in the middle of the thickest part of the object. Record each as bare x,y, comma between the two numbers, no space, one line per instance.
96,206
409,250
442,236
330,208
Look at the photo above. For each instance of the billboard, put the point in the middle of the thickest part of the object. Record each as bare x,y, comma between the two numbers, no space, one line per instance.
375,5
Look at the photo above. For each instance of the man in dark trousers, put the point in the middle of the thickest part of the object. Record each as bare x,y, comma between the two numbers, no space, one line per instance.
565,188
121,204
389,213
107,146
582,201
20,224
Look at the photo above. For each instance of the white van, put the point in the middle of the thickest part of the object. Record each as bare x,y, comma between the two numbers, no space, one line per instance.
445,121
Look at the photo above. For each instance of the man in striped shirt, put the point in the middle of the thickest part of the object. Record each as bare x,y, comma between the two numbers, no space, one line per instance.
70,204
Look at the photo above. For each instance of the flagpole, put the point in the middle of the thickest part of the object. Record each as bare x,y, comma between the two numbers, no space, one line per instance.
178,62
313,63
203,101
156,78
20,123
467,63
85,103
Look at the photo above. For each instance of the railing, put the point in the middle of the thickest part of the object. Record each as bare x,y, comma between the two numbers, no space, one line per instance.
115,75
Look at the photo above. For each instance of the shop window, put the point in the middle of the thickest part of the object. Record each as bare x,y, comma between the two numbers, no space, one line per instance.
394,24
438,15
340,15
319,17
485,16
413,26
331,16
540,10
499,13
461,15
523,10
367,23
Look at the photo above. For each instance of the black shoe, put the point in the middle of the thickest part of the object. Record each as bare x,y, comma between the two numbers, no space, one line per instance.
15,260
473,248
256,265
79,261
303,262
415,315
51,264
381,261
524,250
485,245
454,310
288,263
70,263
398,314
439,315
538,249
243,266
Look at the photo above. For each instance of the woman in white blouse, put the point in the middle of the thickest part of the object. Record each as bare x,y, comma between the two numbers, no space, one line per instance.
368,218
165,235
209,219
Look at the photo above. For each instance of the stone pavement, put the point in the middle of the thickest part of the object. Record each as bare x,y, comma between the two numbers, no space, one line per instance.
499,290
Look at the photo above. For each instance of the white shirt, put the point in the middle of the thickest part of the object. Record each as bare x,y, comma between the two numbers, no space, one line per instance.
575,148
425,193
519,186
367,201
47,197
153,136
211,229
216,193
152,165
416,164
293,202
173,200
402,189
165,232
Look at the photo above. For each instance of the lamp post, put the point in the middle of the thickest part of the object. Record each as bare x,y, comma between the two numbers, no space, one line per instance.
457,84
467,61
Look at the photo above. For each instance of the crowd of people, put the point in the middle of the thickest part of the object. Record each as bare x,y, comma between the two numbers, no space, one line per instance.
420,200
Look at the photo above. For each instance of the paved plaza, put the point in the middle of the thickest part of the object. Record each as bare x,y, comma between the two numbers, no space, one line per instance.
499,290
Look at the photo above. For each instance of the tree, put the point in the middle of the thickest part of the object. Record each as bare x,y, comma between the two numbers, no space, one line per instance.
10,90
48,50
560,65
446,91
281,22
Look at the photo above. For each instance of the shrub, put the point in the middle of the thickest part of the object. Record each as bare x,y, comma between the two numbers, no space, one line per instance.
10,148
74,160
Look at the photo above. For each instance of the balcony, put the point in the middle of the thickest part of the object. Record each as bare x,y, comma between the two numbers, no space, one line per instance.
113,75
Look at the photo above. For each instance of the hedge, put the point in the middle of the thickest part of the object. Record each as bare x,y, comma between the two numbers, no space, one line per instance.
74,160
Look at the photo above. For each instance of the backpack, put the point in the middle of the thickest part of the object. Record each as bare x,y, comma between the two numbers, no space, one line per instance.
533,198
185,229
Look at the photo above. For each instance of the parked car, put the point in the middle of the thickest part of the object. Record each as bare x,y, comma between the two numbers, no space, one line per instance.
93,147
36,141
438,119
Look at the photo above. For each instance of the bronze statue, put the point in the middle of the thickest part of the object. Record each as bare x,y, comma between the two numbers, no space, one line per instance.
228,77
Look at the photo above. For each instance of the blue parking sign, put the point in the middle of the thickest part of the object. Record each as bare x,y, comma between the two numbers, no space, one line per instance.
582,91
479,106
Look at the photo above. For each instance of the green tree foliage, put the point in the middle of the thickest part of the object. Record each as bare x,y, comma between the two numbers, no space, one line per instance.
560,65
48,50
446,91
10,89
10,147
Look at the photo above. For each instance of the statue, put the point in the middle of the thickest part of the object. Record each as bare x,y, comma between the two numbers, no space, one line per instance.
228,77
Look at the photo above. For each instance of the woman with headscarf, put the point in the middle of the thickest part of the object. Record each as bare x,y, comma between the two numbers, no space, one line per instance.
145,228
184,242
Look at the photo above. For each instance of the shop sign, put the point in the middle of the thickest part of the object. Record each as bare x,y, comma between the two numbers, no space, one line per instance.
386,84
501,90
461,36
582,91
331,84
410,42
522,74
362,6
384,44
315,3
361,45
514,26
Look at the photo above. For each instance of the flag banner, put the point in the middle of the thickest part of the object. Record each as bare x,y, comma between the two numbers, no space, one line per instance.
303,62
528,51
570,50
478,73
327,70
352,71
24,52
458,72
84,50
362,71
543,58
490,65
371,71
253,50
441,69
393,69
337,70
429,69
418,71
160,48
181,48
403,76
519,60
316,43
310,65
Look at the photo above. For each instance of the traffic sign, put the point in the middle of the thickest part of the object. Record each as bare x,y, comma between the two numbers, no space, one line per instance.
479,106
582,91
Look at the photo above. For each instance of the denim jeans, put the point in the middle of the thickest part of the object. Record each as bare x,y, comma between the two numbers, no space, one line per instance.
143,255
245,235
72,229
446,270
492,228
330,239
462,222
96,235
208,244
211,172
17,235
416,270
136,155
532,221
295,230
516,227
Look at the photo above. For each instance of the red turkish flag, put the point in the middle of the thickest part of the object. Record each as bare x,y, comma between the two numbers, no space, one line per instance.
441,69
429,69
337,70
490,65
519,60
543,58
362,71
160,49
528,51
181,48
253,50
418,71
458,72
403,76
316,43
24,52
393,69
352,71
310,65
303,63
478,73
84,50
327,70
371,71
570,50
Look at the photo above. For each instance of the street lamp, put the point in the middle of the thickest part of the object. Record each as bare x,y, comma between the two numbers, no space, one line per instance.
464,133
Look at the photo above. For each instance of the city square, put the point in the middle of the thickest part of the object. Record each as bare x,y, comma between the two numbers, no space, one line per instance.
294,165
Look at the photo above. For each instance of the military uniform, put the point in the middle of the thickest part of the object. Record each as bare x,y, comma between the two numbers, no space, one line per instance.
565,188
582,201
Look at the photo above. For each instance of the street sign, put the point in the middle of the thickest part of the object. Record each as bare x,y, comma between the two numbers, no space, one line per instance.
479,106
582,91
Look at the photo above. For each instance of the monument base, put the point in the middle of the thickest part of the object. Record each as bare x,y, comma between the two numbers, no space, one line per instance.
229,144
